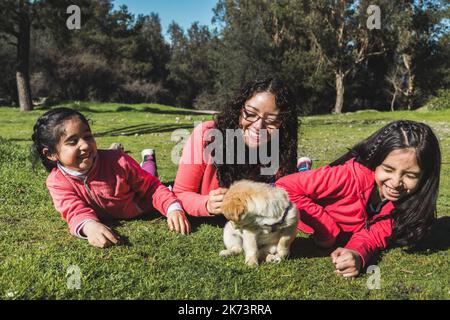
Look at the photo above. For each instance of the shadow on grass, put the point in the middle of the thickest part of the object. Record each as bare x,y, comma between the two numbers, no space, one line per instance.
157,111
142,129
80,107
19,139
217,221
174,112
306,248
300,248
437,240
84,107
113,224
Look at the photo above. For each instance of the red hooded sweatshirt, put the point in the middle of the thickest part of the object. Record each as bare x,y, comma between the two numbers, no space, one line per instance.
115,188
334,199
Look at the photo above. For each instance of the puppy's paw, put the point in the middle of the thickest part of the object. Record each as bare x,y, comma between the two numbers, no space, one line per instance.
234,251
251,261
274,258
226,253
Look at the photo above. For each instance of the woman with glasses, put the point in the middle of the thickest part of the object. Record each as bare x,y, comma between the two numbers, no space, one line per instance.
263,112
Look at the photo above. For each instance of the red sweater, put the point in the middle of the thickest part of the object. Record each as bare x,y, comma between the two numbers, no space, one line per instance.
115,188
334,199
196,175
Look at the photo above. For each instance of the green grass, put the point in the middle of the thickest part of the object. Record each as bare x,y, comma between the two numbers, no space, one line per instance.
36,249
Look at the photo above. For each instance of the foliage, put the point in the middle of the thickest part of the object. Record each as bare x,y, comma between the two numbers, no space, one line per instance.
323,49
440,102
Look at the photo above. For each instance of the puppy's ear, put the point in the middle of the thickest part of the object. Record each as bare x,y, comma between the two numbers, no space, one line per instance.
233,206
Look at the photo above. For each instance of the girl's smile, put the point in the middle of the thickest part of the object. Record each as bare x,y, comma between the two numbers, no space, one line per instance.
77,148
398,175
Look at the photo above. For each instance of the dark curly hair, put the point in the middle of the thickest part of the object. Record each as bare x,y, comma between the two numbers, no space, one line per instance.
48,131
414,214
229,119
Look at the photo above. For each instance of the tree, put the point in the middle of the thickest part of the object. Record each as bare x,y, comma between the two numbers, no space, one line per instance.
338,31
418,26
151,48
248,45
8,88
300,64
190,73
395,78
16,22
19,17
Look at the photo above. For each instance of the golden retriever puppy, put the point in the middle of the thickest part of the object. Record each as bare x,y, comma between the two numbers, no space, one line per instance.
262,222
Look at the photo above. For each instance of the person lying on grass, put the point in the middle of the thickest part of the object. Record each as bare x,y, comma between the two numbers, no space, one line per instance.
382,192
89,185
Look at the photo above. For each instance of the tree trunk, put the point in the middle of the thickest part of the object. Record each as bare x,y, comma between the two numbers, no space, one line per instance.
340,76
22,67
394,97
411,90
408,62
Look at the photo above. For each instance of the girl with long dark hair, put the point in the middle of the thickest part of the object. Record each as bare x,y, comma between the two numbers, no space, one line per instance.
381,192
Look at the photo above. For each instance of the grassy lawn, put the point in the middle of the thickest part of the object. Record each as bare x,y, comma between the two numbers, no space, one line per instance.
36,249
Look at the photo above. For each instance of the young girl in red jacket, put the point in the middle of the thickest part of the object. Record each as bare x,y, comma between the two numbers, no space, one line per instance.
382,192
89,185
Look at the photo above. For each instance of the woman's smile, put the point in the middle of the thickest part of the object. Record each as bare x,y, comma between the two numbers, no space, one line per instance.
262,104
253,135
391,192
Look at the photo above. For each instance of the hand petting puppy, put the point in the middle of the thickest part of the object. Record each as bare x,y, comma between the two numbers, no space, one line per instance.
214,204
348,262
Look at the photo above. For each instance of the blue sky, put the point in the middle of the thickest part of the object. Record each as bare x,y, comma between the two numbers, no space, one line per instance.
183,12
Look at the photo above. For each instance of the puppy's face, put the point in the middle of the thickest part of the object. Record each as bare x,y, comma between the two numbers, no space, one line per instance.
234,205
250,204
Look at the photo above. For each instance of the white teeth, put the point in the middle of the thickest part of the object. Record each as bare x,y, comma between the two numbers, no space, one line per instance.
391,190
253,134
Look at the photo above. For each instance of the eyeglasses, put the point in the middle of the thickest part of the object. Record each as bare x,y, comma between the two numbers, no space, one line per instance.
251,116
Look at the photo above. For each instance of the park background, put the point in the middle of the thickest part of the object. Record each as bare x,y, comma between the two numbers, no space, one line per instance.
138,82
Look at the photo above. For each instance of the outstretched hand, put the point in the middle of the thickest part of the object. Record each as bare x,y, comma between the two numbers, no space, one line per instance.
99,235
178,222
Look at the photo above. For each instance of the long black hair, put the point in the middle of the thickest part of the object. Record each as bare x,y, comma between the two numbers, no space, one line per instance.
229,119
414,214
47,133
